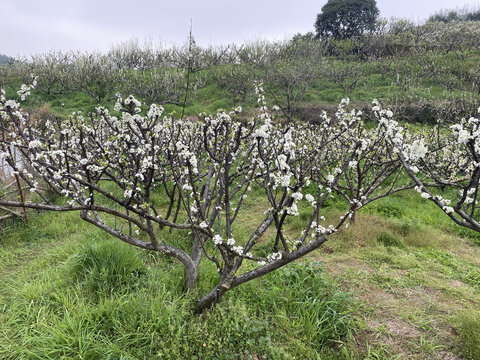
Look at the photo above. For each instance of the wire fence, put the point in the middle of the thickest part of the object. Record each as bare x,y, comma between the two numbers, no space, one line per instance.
10,185
6,171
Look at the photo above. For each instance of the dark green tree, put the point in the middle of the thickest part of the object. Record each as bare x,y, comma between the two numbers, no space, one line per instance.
343,19
4,59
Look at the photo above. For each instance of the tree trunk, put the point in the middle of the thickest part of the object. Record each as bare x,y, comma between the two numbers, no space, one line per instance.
213,297
191,277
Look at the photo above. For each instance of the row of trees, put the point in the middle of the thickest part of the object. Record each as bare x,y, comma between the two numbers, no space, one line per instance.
458,15
404,54
114,165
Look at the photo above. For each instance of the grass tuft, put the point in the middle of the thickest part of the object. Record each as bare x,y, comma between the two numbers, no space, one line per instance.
469,330
107,267
387,239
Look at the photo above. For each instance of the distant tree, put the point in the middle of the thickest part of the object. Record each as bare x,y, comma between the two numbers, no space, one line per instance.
307,36
346,18
345,74
473,16
290,71
4,59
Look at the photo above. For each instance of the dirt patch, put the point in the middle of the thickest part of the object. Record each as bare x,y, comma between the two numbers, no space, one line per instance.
395,327
444,355
338,268
456,283
411,322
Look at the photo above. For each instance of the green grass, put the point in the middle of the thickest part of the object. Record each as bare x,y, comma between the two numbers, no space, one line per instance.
392,286
469,329
82,295
418,282
106,268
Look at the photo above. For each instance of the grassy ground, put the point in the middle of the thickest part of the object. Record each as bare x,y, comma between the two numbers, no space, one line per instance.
402,283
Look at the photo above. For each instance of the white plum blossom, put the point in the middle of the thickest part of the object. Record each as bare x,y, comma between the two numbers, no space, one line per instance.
262,132
281,162
292,210
238,250
297,196
217,239
426,195
418,150
448,209
274,257
34,144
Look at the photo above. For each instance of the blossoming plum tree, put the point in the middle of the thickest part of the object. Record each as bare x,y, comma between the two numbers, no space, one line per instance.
374,171
111,166
448,159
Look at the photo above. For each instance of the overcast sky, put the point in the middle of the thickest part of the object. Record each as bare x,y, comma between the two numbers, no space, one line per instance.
34,26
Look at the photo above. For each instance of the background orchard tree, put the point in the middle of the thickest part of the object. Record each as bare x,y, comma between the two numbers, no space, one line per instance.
344,19
141,56
456,15
94,74
235,79
345,74
459,38
4,59
289,72
53,70
159,85
445,159
443,71
256,53
402,72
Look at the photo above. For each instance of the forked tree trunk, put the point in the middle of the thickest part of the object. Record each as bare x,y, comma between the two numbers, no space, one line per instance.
230,281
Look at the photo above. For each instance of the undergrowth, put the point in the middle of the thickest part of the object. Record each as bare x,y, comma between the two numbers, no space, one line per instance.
69,291
110,301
